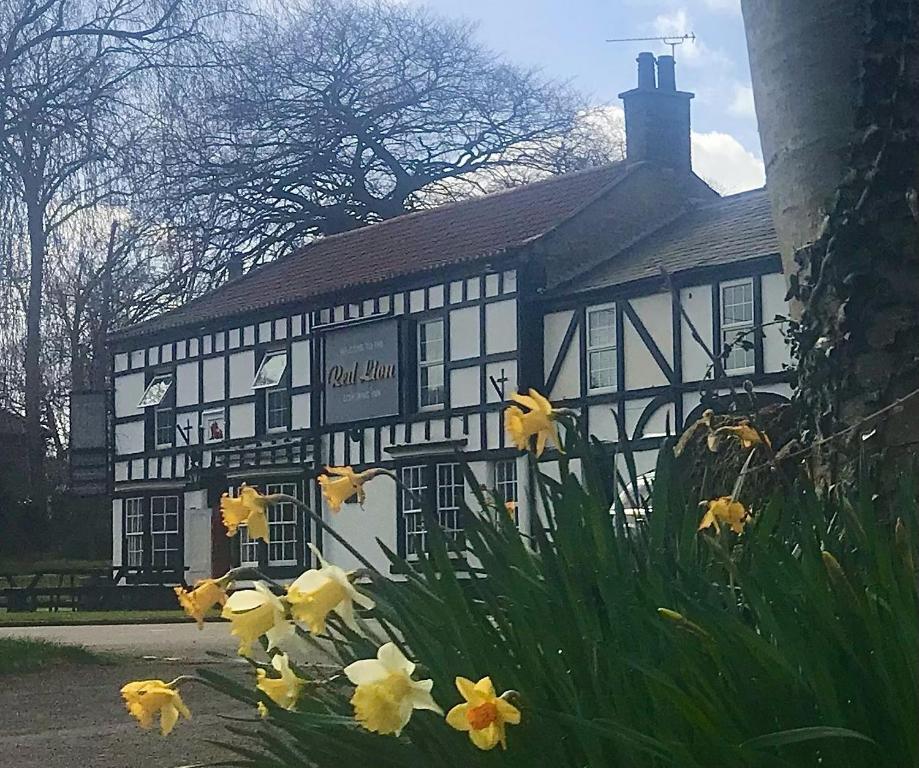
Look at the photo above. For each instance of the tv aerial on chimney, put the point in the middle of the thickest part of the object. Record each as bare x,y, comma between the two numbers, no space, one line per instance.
672,40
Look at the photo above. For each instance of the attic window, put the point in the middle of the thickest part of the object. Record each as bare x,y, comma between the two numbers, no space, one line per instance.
156,390
271,371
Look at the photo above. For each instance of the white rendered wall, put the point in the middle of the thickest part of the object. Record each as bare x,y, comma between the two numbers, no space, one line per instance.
362,527
242,371
117,531
128,391
465,333
775,350
697,302
214,380
655,314
186,384
501,327
569,379
129,437
197,536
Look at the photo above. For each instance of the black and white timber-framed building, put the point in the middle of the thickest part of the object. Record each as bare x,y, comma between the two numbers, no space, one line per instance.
399,343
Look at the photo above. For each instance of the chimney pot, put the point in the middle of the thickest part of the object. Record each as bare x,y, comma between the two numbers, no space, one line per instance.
234,266
666,73
646,76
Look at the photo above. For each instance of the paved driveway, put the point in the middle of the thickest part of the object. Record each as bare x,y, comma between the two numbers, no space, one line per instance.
164,641
72,717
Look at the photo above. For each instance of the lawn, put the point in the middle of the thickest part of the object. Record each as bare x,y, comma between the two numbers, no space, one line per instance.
26,655
64,618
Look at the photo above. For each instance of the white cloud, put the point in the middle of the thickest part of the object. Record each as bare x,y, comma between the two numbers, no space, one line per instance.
693,53
724,6
742,103
723,161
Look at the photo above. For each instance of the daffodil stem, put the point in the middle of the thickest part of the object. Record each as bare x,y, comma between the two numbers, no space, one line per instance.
248,572
185,679
330,530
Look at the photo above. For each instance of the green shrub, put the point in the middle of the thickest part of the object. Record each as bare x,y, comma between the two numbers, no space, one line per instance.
791,644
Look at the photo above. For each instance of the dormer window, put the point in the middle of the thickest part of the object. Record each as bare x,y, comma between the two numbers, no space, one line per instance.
156,390
270,378
271,372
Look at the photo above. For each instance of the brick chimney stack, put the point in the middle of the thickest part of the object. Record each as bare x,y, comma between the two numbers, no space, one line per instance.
657,121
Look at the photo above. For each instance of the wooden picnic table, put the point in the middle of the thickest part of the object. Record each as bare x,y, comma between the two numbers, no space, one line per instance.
76,588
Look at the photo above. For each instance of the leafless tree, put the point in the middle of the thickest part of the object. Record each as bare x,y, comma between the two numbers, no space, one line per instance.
64,66
359,111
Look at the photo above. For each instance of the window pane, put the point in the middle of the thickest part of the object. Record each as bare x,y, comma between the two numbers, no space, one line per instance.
602,367
276,409
283,520
506,484
165,428
601,327
432,385
431,341
134,532
449,498
412,494
737,303
164,531
156,391
739,358
271,370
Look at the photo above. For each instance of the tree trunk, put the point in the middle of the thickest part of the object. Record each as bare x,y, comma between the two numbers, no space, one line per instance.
836,86
35,435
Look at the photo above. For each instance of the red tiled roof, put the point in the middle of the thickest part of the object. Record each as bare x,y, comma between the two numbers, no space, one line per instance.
473,229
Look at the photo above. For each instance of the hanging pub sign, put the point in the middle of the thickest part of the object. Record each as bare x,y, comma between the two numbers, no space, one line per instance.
362,372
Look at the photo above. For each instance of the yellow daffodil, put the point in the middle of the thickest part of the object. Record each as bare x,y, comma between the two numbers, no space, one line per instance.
386,695
538,421
284,690
317,592
197,602
724,510
256,612
251,508
341,483
146,698
744,432
483,715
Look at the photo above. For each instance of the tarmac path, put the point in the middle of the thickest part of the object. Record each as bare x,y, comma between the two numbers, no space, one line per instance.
72,716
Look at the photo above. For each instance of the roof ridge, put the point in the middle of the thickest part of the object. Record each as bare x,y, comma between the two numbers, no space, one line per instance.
304,250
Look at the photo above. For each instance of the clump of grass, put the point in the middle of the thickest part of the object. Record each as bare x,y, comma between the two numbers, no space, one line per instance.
67,618
18,655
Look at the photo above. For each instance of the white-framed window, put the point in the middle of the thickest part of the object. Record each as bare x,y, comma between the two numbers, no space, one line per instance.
164,426
214,425
156,390
448,497
506,484
282,526
414,487
270,372
431,370
164,531
134,532
737,323
601,347
248,549
277,410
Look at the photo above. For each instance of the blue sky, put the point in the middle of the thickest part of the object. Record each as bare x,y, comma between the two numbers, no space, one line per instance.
566,39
